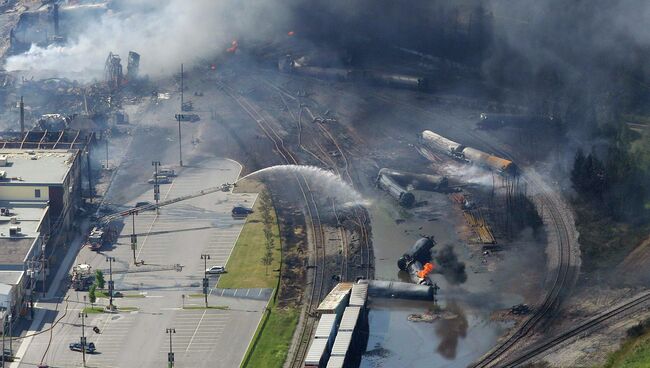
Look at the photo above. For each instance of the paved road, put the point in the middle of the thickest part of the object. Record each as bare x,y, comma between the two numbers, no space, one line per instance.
178,235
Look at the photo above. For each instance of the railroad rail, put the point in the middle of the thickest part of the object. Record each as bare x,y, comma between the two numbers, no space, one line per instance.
563,274
583,327
312,219
343,172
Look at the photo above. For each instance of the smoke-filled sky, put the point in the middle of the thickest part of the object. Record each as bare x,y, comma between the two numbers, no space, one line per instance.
165,33
522,36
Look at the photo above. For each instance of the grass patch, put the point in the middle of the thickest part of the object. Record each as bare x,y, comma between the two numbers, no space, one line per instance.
93,310
635,353
271,341
220,307
127,309
245,270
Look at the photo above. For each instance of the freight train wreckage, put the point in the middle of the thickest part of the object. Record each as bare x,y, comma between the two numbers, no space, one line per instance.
417,261
467,154
399,184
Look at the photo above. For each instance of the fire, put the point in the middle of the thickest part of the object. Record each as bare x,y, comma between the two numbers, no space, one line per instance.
233,47
425,270
291,33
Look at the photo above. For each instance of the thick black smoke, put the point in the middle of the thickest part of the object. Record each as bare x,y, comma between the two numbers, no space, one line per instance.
449,265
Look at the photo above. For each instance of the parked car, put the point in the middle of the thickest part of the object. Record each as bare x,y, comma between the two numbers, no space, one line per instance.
241,211
216,270
90,347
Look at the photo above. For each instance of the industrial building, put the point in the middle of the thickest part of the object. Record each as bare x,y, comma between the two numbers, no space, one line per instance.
40,192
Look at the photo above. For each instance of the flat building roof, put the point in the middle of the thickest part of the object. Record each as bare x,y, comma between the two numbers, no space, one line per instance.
29,167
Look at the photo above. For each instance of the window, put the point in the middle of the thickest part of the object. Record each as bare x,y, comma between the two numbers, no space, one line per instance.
37,193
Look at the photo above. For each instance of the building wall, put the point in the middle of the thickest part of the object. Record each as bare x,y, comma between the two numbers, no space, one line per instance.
23,193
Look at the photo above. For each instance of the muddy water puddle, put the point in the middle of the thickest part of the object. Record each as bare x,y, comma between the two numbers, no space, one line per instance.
454,339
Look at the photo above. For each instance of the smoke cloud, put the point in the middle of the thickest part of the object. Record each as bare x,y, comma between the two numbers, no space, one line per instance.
165,33
450,266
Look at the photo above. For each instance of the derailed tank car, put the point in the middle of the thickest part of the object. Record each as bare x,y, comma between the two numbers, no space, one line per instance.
417,181
468,154
403,196
491,162
397,80
442,144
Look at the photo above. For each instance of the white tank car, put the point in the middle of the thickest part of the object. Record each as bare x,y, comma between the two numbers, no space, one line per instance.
442,144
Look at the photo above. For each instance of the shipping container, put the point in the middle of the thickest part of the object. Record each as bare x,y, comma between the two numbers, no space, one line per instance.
326,328
336,362
342,343
318,353
336,301
359,295
349,320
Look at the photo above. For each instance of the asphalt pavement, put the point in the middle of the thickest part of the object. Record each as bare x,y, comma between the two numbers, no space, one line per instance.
156,292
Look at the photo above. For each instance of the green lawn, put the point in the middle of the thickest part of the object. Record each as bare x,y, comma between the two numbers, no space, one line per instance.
272,339
634,353
245,270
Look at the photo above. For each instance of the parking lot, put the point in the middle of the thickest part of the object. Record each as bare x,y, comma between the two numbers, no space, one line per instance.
156,291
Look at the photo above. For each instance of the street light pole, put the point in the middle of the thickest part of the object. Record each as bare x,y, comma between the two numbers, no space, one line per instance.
134,238
11,336
170,355
180,139
106,140
110,261
83,316
205,258
156,186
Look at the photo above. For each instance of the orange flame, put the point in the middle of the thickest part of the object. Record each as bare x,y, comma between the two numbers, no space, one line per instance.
291,33
425,271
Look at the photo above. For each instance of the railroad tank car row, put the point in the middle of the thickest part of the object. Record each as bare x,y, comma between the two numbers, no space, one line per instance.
394,80
468,154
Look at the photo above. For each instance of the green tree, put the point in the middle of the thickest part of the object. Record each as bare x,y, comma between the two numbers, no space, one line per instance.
99,279
92,296
267,259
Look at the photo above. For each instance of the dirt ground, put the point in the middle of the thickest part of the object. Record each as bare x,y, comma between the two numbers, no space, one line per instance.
592,349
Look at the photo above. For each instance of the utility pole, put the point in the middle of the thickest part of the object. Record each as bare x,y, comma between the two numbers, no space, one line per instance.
83,316
2,359
180,145
205,258
43,265
182,89
134,237
170,355
106,141
11,336
90,175
110,261
22,116
156,186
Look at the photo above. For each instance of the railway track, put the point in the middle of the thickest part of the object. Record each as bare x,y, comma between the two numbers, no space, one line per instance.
342,171
562,276
546,345
312,219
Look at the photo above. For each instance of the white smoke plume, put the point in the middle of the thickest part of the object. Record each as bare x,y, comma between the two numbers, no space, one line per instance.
166,33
